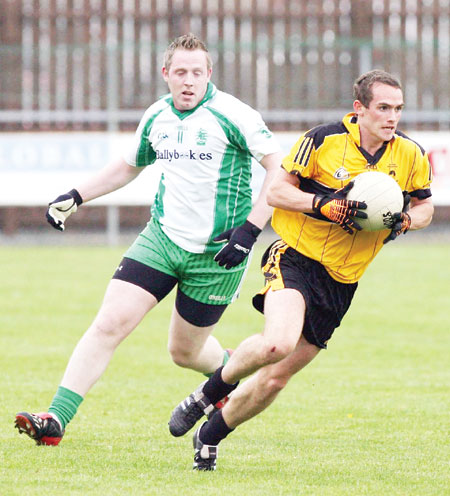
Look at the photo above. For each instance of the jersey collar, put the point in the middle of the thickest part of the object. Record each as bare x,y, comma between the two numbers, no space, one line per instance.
351,124
352,127
211,90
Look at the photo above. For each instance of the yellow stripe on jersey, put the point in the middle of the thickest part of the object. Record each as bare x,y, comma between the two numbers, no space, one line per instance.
328,157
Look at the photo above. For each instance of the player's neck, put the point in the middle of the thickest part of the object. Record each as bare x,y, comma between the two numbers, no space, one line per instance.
370,144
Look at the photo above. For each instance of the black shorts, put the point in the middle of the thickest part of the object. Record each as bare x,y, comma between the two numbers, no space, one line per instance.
160,285
327,300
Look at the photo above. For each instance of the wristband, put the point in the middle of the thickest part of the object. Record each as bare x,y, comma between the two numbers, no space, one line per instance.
76,196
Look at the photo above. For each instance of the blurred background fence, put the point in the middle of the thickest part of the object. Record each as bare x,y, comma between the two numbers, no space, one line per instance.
94,65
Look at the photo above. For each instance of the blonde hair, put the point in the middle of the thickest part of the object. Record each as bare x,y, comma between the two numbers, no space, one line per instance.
186,42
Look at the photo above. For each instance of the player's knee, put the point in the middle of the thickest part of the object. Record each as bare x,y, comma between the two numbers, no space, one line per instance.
275,384
269,386
276,351
110,328
180,356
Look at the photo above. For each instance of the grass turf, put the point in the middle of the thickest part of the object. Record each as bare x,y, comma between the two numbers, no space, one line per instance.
367,417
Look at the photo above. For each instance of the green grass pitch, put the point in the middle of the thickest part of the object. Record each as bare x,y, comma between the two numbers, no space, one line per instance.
370,416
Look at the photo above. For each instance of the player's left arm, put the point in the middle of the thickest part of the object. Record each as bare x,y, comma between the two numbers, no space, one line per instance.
421,213
418,209
241,239
421,205
416,214
262,211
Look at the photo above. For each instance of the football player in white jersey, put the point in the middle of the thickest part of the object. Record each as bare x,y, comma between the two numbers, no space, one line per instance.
202,228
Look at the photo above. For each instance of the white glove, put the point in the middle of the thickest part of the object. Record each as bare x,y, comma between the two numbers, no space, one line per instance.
59,209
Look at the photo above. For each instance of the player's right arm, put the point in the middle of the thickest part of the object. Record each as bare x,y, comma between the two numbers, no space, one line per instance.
284,193
113,176
287,191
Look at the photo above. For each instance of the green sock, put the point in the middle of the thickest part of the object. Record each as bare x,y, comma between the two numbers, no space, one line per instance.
65,405
226,357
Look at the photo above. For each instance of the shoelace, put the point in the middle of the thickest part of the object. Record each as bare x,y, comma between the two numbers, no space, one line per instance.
193,411
41,423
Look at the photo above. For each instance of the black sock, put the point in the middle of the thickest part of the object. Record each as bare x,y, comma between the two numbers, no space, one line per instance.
215,389
213,431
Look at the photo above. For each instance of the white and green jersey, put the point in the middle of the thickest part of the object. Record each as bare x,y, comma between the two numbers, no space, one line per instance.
205,155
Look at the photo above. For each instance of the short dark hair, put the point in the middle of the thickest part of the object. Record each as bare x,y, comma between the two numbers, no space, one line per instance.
362,88
186,42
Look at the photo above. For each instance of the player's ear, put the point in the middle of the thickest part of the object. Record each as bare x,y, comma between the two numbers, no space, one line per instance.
357,107
165,73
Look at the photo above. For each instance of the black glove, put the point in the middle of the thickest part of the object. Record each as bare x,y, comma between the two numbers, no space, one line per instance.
401,221
240,241
338,209
59,209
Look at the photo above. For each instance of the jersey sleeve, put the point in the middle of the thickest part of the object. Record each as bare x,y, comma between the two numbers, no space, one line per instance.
140,153
244,126
301,158
421,177
260,140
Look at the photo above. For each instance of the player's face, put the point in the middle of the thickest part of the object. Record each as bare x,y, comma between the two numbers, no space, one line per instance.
379,120
187,78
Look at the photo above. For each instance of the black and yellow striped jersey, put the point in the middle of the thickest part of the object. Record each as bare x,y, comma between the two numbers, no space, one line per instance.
326,158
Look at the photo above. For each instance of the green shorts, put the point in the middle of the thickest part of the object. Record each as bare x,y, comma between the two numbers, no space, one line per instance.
198,275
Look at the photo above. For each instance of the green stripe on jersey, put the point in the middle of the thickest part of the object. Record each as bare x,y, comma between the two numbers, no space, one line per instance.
234,196
157,209
145,154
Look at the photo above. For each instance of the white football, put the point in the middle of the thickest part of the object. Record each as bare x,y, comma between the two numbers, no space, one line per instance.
383,196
